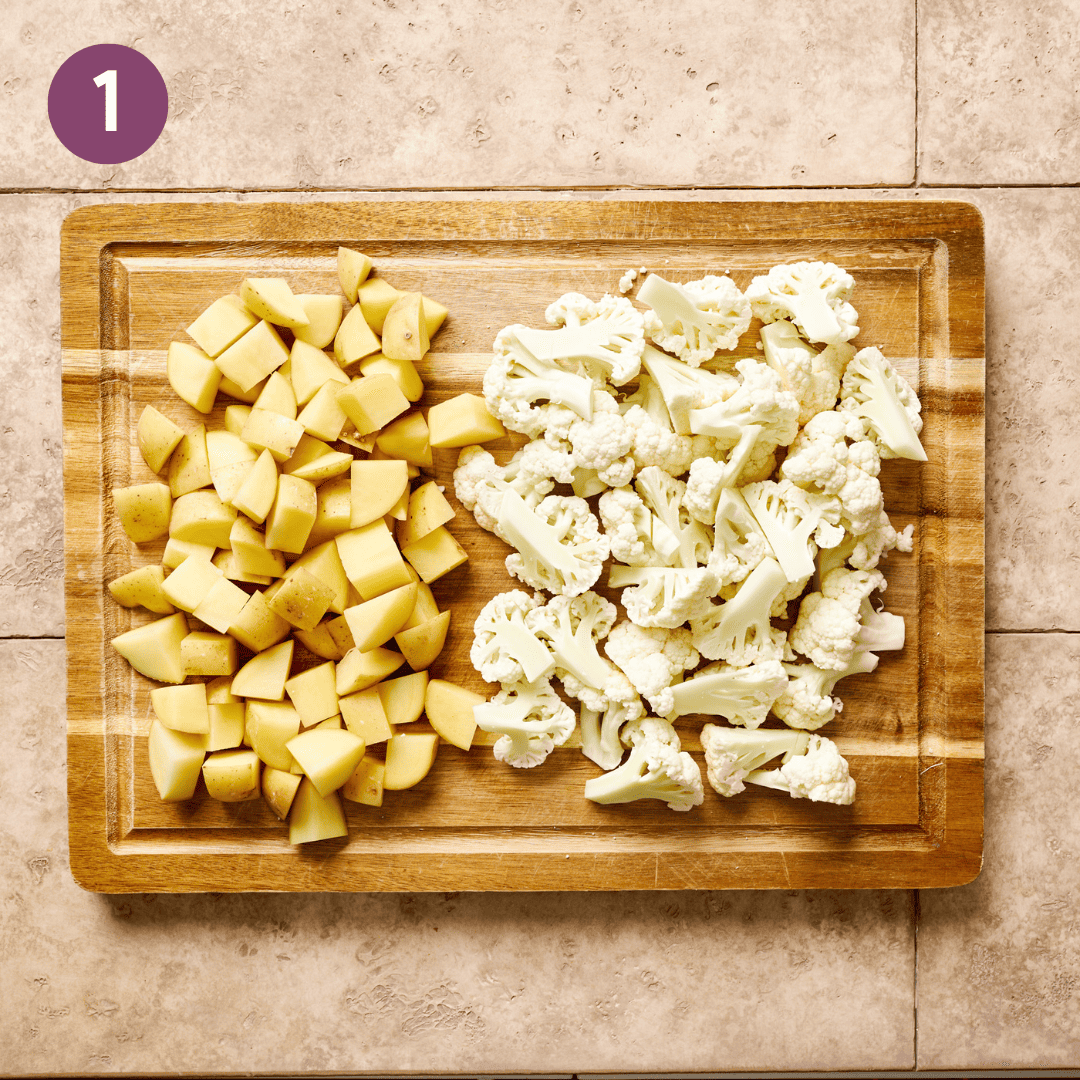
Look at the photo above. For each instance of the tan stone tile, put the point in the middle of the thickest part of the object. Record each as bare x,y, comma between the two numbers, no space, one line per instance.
31,430
997,100
443,983
503,93
999,959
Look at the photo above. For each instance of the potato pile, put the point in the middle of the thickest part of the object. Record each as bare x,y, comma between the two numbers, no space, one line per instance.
306,519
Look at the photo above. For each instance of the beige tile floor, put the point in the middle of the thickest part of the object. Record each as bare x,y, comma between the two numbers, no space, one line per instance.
873,99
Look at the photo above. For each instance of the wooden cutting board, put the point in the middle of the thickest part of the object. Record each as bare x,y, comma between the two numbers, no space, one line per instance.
134,276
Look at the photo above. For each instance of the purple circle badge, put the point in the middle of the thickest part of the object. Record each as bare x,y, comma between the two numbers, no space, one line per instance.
108,104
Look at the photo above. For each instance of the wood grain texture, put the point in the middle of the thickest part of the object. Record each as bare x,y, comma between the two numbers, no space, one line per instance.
134,276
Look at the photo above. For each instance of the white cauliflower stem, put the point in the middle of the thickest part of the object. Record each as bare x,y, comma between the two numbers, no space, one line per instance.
877,393
606,336
741,695
696,319
654,770
530,718
504,649
819,774
732,754
559,544
813,295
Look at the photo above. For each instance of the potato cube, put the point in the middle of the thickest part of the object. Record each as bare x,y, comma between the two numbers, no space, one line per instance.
339,629
193,375
371,402
354,338
322,417
353,268
401,371
421,644
315,817
267,430
226,724
404,332
377,620
403,697
186,587
144,510
376,297
142,588
314,694
407,438
232,775
292,516
310,368
327,755
264,675
279,789
324,562
372,561
249,396
189,466
462,421
425,607
320,642
428,509
182,708
277,394
434,554
176,759
176,551
333,513
363,714
206,654
258,628
324,314
153,649
158,437
409,757
269,726
376,487
256,494
236,417
225,320
253,357
449,709
272,299
358,670
222,605
231,461
325,468
366,783
302,600
251,553
200,517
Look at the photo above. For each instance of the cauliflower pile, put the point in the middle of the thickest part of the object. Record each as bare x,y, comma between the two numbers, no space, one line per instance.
737,507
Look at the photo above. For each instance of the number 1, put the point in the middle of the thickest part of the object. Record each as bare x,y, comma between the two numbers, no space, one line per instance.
108,80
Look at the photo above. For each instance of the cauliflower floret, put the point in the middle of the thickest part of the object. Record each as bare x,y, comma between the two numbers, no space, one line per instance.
732,754
813,295
656,443
604,442
636,535
819,774
604,338
878,394
684,388
738,542
654,770
516,378
741,695
832,455
812,376
530,718
664,495
603,718
739,630
504,649
572,627
560,547
695,320
796,522
652,659
806,701
664,596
